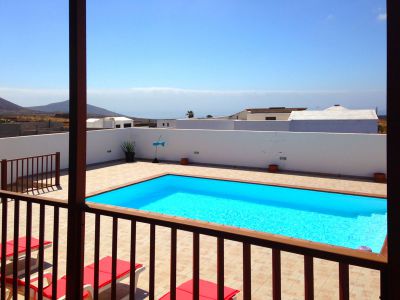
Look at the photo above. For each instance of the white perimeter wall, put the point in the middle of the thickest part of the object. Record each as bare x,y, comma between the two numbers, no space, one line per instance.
355,126
333,126
331,153
102,145
213,124
225,124
262,125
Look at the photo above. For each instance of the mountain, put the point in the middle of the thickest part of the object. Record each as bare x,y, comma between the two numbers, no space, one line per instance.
7,107
63,107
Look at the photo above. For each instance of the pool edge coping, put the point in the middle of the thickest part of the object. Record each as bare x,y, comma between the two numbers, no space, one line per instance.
377,260
315,189
298,241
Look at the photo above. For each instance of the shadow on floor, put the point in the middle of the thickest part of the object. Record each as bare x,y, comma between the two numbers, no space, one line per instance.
123,292
122,289
21,267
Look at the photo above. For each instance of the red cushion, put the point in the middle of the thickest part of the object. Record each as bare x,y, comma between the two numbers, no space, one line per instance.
105,276
61,289
208,290
22,246
105,271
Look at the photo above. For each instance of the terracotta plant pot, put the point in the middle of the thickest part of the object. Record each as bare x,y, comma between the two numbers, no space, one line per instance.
184,161
273,168
380,177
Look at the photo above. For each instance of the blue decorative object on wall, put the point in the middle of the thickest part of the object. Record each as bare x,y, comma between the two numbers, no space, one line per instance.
157,144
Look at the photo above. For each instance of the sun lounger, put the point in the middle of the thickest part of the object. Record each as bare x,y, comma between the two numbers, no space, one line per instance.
22,247
105,278
208,291
22,250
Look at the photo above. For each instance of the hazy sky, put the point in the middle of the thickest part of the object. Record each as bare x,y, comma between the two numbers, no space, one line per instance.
160,58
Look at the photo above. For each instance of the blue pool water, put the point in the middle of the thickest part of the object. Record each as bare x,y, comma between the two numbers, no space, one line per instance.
331,218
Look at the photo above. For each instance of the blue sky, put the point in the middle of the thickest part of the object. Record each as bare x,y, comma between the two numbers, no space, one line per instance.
160,58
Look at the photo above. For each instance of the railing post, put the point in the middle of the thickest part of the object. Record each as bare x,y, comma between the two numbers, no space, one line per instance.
220,268
4,174
57,169
384,283
393,147
308,277
246,271
196,265
152,262
77,149
172,283
344,291
276,275
4,228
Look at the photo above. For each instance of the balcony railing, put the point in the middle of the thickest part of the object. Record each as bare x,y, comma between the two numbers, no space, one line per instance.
16,204
31,174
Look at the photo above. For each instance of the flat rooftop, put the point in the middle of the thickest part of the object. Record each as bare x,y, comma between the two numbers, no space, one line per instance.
274,110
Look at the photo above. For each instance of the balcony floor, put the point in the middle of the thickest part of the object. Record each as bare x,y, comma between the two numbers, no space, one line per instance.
364,283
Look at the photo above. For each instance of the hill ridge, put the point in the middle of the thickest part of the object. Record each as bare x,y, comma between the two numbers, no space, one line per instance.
8,107
63,107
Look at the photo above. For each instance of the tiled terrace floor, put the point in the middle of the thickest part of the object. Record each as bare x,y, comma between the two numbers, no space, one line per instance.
364,283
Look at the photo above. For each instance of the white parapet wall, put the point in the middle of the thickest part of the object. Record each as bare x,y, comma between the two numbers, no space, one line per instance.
35,145
262,125
339,126
102,145
212,124
330,153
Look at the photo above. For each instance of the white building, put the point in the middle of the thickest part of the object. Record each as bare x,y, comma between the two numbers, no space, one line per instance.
335,119
122,122
266,114
166,123
99,123
109,122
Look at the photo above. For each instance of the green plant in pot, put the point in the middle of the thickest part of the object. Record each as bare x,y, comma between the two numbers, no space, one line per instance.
129,148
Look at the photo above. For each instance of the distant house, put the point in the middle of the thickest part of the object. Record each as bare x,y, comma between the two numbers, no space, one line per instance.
266,114
253,119
122,122
109,123
166,123
98,123
335,119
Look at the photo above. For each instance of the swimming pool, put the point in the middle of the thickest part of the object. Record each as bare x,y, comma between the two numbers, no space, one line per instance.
337,219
